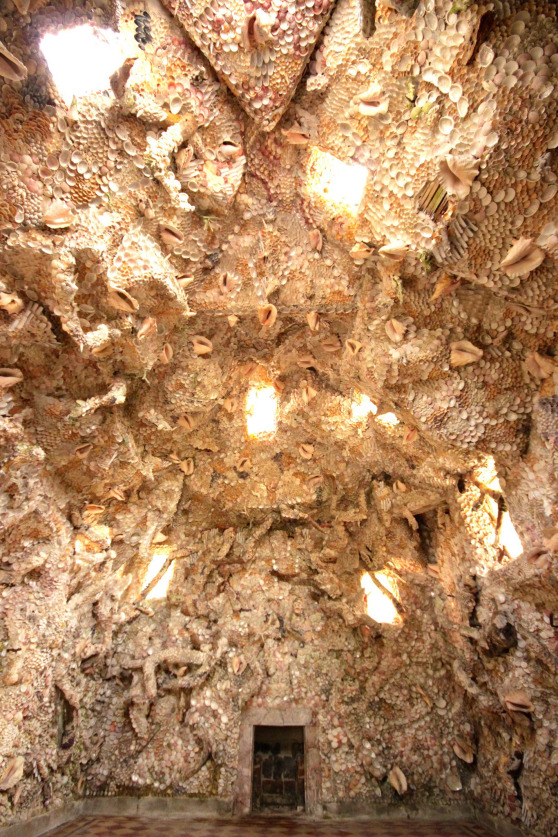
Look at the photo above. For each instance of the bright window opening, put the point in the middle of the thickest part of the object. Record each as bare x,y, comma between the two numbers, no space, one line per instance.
155,566
509,538
362,407
82,59
340,184
488,476
261,411
379,605
388,419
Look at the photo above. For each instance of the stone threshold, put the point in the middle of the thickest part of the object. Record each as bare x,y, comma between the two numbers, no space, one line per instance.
171,808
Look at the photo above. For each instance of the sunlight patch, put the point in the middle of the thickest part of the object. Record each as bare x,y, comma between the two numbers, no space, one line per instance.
82,59
339,184
379,605
261,411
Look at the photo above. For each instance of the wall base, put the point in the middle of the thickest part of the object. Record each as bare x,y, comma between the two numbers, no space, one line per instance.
170,808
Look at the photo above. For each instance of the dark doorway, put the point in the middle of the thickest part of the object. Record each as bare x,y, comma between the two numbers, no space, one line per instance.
278,769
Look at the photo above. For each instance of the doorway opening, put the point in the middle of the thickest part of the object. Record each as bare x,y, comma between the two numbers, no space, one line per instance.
278,769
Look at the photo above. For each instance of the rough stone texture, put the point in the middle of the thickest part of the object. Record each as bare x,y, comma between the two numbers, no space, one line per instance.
161,252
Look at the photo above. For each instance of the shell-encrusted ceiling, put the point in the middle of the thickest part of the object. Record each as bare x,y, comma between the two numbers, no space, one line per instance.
352,209
259,49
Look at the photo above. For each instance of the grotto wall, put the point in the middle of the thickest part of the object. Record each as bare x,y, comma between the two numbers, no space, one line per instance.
183,237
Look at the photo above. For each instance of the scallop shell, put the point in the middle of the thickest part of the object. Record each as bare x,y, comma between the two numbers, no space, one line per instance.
445,125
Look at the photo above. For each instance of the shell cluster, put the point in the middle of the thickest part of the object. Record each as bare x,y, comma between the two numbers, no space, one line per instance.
351,207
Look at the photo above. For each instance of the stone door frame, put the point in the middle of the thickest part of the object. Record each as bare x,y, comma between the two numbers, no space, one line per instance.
286,716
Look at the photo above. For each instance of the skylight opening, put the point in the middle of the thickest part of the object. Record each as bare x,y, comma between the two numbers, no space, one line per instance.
155,566
379,605
362,407
82,59
388,419
509,538
261,411
339,184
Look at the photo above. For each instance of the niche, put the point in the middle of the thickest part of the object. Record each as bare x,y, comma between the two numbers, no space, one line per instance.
278,769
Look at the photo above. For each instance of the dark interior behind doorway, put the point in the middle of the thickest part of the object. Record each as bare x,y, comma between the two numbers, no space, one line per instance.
278,772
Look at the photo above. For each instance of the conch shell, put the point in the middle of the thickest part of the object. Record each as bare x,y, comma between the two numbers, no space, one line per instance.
10,66
360,251
166,353
306,451
540,366
395,251
10,377
267,315
463,352
522,258
519,701
11,303
397,780
58,215
456,178
353,347
121,299
395,330
463,751
373,102
12,774
201,345
313,320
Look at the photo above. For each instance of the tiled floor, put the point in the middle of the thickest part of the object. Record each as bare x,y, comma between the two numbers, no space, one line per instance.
259,827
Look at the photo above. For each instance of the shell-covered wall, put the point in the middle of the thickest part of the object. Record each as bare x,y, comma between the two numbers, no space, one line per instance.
170,242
